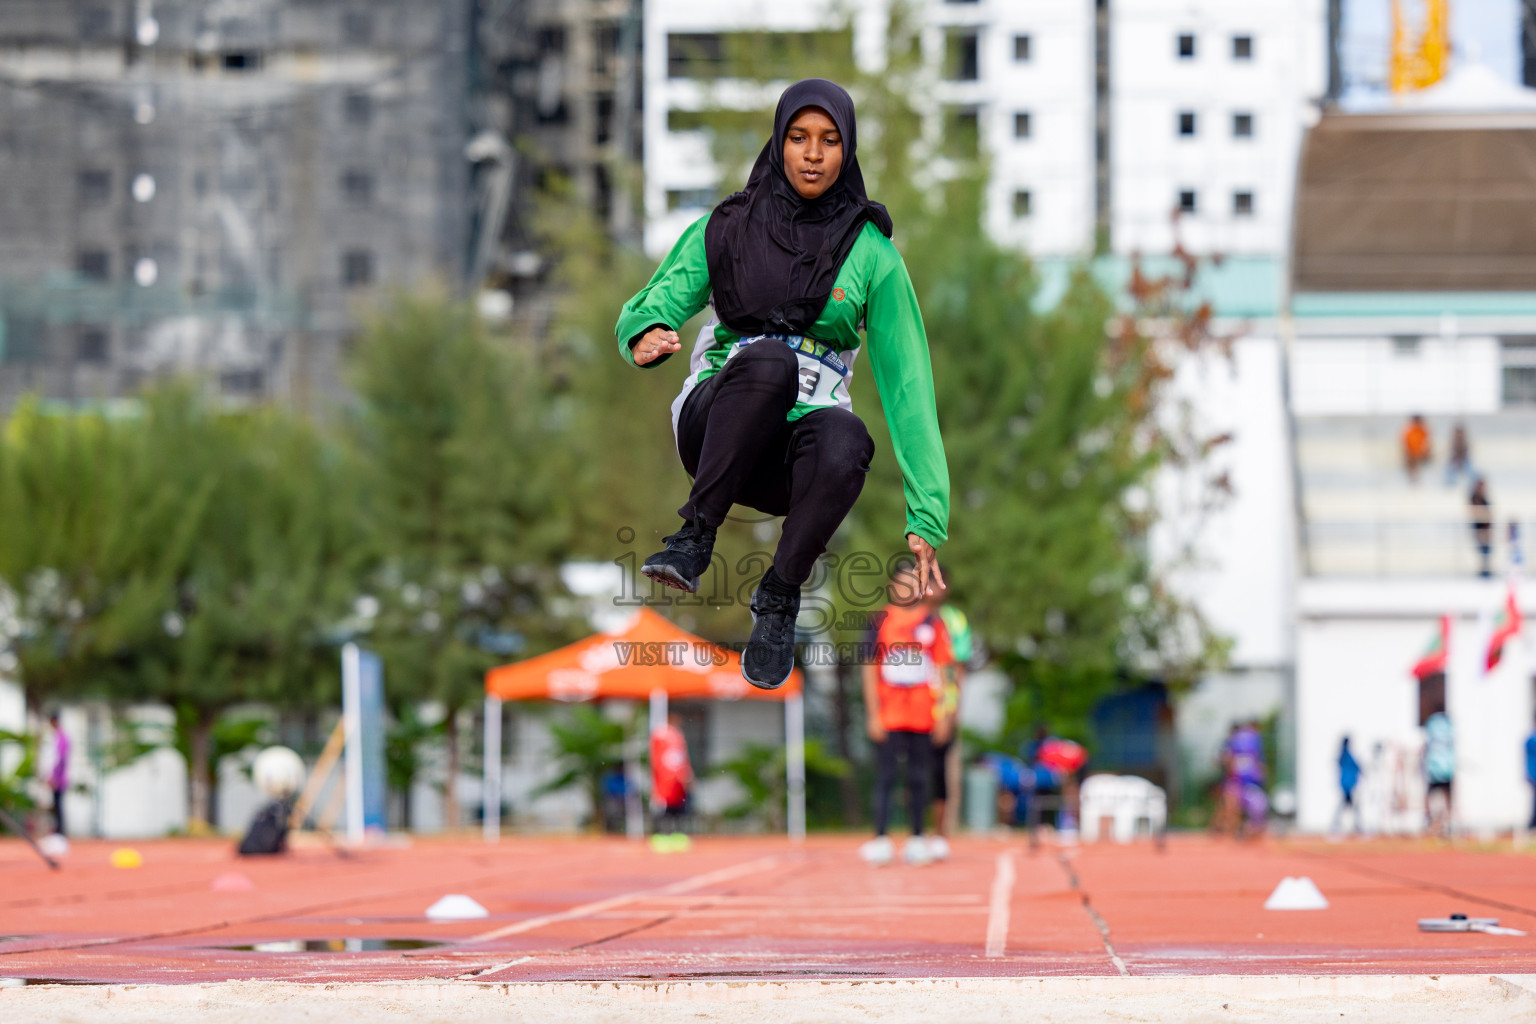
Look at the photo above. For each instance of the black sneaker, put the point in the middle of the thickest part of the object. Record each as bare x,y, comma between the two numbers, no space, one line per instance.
770,654
686,558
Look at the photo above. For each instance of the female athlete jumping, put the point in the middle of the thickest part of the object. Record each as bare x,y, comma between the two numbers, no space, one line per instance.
794,267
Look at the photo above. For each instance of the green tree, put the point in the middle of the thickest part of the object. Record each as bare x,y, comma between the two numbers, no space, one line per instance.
84,521
248,613
180,554
588,744
759,769
467,502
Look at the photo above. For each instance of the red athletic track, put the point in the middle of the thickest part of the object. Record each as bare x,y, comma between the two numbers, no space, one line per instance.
759,908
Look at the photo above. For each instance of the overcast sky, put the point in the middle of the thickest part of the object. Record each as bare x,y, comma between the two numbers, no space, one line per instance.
1484,30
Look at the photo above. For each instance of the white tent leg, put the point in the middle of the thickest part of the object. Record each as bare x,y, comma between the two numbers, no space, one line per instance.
794,765
491,788
634,811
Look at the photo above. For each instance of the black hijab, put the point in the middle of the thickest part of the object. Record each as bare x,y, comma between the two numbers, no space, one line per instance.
773,255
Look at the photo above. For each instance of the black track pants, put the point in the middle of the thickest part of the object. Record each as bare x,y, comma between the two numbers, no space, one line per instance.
734,442
916,749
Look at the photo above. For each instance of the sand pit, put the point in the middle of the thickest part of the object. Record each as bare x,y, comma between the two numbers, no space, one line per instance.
1385,999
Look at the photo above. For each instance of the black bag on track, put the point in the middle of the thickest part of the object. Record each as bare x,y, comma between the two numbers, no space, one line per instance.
268,833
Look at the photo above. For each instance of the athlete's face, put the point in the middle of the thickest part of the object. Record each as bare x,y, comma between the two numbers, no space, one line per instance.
813,152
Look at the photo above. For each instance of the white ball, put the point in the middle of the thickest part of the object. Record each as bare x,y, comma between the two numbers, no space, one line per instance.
279,772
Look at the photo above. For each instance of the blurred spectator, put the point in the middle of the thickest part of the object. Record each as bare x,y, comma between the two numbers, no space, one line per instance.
1417,448
1480,513
946,721
1459,462
58,778
1439,772
1244,804
671,775
902,687
615,796
1349,778
1061,761
1015,786
1530,772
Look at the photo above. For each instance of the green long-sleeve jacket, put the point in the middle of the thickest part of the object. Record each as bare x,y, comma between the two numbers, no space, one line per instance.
872,292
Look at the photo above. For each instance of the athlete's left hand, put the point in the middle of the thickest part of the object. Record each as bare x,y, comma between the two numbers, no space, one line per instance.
928,573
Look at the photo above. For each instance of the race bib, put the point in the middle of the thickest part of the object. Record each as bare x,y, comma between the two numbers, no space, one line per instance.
821,371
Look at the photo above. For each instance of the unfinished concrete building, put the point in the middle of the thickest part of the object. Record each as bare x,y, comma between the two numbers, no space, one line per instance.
218,187
563,83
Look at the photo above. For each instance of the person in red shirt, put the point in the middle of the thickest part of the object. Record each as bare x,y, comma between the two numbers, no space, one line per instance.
671,774
910,646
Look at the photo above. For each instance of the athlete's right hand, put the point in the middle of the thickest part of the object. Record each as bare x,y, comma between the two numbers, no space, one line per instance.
876,731
655,343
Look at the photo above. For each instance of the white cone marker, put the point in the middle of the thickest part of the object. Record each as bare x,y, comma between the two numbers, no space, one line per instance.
1296,894
456,907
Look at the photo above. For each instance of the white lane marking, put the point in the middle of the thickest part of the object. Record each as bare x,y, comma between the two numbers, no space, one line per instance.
997,912
476,975
588,909
1103,927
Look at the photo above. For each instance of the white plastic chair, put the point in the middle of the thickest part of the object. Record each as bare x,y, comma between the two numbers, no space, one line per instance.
1127,800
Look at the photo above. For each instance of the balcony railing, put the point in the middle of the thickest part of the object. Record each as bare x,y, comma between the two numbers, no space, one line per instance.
1377,549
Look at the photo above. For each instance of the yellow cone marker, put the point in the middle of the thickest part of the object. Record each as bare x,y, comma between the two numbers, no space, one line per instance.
127,857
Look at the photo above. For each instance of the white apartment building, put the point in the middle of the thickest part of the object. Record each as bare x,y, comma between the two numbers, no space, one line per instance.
1094,114
1208,103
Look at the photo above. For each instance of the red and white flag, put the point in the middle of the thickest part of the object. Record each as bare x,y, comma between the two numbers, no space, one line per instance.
1505,627
1433,659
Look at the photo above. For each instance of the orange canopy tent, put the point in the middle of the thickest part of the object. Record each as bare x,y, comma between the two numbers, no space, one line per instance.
648,654
648,658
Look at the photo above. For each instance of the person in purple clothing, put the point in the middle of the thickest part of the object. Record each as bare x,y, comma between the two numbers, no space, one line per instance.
58,779
1245,804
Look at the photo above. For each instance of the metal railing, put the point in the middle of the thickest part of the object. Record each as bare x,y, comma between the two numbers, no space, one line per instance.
1408,548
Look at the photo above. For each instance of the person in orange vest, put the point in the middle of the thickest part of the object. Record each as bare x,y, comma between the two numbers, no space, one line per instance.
671,775
902,685
1416,446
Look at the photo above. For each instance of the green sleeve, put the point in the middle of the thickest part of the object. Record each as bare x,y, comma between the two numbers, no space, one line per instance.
676,292
898,356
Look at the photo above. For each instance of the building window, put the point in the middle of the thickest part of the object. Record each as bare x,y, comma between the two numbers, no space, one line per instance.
1186,46
964,132
95,22
962,56
1187,200
694,54
1242,204
93,264
241,382
1242,47
357,27
551,40
358,108
95,188
1518,356
1242,126
91,345
1186,122
357,186
602,129
1022,203
1021,48
1022,129
690,198
357,268
605,48
240,60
